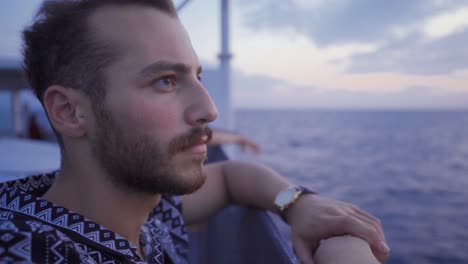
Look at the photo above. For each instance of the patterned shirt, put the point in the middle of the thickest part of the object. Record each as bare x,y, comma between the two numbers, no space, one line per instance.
33,230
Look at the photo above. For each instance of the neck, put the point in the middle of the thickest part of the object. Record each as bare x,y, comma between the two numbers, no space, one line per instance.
86,190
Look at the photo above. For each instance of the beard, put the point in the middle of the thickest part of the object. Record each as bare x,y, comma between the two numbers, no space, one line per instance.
138,163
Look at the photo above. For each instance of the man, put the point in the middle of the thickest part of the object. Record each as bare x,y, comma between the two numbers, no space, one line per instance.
120,83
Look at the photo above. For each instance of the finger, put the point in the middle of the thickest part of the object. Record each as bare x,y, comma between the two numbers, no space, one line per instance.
370,222
378,255
367,232
252,146
255,147
368,218
376,221
303,251
254,150
380,251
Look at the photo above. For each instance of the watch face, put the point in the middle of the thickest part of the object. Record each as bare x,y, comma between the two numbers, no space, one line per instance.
285,197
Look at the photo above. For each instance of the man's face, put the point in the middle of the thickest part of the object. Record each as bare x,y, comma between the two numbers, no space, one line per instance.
150,132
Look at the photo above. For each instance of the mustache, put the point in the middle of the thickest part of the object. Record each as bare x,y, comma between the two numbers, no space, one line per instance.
185,141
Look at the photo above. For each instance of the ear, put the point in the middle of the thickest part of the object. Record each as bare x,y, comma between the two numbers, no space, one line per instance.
65,109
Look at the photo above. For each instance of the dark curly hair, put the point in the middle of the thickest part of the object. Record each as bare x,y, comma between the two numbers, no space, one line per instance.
59,48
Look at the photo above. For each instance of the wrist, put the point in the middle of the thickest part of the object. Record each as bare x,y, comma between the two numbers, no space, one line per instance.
301,204
287,198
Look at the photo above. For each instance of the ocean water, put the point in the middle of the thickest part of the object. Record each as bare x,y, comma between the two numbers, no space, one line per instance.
410,169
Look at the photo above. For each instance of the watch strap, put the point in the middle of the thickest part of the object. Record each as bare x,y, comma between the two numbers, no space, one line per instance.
301,190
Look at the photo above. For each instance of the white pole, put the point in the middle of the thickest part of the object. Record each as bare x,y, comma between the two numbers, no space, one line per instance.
225,61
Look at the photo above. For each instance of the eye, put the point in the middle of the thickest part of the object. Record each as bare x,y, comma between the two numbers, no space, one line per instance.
200,77
165,84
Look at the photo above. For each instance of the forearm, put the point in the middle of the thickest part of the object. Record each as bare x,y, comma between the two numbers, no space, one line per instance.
252,184
232,182
344,249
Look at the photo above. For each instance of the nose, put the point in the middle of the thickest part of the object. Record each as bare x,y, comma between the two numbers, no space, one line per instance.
202,109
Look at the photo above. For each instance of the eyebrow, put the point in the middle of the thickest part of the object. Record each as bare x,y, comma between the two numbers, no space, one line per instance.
160,66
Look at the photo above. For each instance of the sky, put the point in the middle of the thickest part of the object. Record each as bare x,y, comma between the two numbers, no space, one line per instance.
349,54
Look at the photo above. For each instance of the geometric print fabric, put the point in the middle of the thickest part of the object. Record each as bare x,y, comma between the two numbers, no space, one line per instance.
35,230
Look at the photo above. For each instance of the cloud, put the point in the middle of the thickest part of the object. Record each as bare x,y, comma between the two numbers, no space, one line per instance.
338,21
346,50
414,55
433,46
445,24
257,91
295,58
413,37
435,27
309,4
391,68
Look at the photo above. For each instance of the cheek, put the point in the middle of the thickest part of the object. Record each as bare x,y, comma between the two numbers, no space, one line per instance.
155,118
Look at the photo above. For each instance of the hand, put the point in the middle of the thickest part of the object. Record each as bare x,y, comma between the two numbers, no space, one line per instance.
221,137
313,218
245,143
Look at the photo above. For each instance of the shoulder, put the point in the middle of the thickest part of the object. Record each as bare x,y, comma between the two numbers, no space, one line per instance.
168,220
28,240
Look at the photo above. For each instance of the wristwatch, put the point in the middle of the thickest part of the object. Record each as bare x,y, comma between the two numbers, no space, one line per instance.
287,197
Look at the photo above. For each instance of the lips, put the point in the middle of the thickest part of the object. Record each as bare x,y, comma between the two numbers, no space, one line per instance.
198,147
194,141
